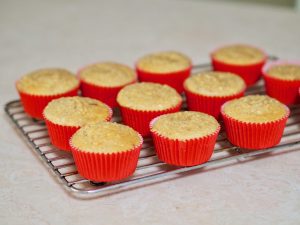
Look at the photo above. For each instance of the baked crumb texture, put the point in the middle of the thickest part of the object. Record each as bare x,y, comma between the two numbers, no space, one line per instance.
64,116
141,102
254,122
208,91
106,151
103,81
255,109
106,137
185,125
164,62
108,74
184,138
243,60
46,82
285,72
38,88
215,84
76,111
282,81
170,68
148,96
239,55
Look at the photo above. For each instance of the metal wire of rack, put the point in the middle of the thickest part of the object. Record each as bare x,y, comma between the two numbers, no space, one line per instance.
149,167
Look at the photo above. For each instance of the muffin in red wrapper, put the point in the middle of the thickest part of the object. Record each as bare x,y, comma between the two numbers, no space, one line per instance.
39,87
103,81
170,68
282,81
105,151
64,116
208,91
255,121
243,60
141,102
184,138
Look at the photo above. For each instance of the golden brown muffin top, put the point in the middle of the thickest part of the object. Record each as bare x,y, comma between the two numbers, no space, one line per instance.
239,54
285,72
164,62
255,109
215,84
185,125
51,81
106,137
148,96
108,74
76,111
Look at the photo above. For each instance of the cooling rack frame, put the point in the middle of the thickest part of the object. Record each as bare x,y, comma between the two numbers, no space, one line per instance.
149,168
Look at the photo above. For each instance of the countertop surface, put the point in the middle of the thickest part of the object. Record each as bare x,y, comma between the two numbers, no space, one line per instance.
71,34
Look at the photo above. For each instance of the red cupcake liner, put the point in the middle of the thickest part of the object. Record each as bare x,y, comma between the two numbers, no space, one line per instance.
174,79
35,104
140,119
106,167
254,136
250,73
189,152
285,91
107,95
61,134
208,104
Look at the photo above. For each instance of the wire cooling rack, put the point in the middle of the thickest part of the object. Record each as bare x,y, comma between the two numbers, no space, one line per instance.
149,169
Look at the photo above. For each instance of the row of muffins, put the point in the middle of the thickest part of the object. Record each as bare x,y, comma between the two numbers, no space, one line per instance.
140,103
105,151
282,78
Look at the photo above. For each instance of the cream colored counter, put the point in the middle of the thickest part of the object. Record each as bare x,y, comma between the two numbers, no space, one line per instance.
72,34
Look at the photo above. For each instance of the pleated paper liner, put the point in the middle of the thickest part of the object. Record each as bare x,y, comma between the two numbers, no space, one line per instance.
173,79
35,104
106,167
254,136
61,134
250,73
189,152
285,91
140,119
107,95
208,104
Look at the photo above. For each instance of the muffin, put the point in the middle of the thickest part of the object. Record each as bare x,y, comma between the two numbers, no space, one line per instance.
103,81
39,87
141,102
254,121
184,138
106,151
282,81
244,60
64,116
169,67
208,91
